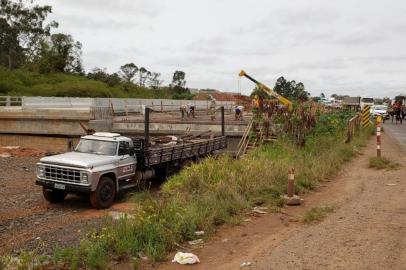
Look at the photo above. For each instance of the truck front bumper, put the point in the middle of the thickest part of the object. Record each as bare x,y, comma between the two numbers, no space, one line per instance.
68,187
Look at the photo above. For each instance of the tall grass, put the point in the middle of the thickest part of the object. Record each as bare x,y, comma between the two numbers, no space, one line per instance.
216,191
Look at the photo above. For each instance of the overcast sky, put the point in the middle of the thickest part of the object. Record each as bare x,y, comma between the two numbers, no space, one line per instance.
355,47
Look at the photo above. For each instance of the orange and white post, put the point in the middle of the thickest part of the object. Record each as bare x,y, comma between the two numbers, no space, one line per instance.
291,183
378,136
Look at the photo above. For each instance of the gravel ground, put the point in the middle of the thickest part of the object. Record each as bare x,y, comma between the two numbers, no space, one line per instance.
29,222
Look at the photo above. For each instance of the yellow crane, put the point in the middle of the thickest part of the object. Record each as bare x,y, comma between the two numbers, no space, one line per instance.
268,90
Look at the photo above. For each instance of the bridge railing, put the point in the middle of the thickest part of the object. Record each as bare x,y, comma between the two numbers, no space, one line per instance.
9,101
353,126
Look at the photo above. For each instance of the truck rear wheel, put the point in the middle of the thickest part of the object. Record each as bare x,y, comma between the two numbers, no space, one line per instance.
53,195
105,193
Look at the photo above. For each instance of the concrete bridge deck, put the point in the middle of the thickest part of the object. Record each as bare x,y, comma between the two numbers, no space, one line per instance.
51,129
172,123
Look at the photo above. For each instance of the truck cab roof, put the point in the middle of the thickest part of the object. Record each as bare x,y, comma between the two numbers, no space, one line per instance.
106,136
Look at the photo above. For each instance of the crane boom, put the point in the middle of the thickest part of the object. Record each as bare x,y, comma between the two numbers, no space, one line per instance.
268,90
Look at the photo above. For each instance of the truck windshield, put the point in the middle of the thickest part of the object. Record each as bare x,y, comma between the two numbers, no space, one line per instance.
367,100
97,147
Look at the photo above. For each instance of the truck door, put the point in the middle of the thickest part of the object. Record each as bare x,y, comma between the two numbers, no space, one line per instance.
127,163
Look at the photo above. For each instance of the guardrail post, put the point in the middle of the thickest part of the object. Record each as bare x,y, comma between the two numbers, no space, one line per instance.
290,198
291,183
378,139
223,130
146,126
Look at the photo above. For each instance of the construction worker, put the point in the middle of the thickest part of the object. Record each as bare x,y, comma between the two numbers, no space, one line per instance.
191,110
238,112
183,111
212,108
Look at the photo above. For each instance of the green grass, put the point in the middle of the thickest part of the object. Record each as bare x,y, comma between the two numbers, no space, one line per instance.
382,163
211,193
317,214
25,83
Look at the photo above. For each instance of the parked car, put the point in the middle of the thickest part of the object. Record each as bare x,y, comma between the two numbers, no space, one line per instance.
380,110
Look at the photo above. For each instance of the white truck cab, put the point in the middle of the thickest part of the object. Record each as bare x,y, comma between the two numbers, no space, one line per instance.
98,165
366,101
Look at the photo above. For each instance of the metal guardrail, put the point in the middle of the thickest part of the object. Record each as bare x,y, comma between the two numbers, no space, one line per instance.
9,101
353,125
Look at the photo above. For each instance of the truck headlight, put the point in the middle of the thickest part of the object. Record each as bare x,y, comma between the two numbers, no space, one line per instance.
41,171
84,178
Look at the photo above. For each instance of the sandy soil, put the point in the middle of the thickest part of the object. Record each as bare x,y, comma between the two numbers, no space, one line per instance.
367,229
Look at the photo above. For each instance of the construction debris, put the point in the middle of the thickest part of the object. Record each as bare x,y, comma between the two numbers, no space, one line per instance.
391,184
259,210
294,200
17,151
120,215
245,264
196,242
185,258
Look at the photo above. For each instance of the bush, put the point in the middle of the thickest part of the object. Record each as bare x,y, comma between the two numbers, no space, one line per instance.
25,83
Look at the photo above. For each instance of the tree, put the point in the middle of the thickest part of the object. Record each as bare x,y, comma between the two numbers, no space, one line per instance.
143,74
178,79
291,89
99,74
154,81
128,72
60,53
300,93
322,95
113,79
21,28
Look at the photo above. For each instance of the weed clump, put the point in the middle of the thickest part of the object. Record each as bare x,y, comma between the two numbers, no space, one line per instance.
317,214
382,163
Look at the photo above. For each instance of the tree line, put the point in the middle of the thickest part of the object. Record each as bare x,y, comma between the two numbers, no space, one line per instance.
28,42
289,89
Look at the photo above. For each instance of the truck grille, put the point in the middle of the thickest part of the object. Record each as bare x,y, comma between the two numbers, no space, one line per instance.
62,174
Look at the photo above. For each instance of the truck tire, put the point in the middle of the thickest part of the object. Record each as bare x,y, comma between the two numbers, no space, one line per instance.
53,195
105,193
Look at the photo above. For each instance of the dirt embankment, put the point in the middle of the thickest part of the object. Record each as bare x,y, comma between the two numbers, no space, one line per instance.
367,229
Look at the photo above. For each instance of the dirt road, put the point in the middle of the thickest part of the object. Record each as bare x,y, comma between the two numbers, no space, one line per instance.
397,131
367,229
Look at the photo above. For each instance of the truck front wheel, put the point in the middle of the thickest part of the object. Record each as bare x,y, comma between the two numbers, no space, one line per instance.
53,195
105,193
